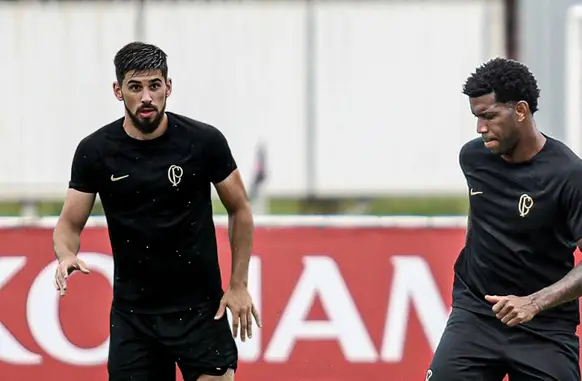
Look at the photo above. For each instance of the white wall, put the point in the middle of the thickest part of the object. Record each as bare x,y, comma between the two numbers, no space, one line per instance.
390,116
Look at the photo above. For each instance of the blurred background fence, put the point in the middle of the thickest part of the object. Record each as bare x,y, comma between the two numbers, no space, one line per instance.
345,106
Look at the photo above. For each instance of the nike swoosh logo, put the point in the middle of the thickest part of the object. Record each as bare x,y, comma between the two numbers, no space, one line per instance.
113,178
473,193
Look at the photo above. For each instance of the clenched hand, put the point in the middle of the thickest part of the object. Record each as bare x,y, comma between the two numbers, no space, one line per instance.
513,310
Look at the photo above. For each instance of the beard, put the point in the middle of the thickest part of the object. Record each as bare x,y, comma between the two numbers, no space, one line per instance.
146,125
508,145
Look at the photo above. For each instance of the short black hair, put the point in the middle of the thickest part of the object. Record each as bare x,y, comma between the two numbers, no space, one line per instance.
509,80
139,56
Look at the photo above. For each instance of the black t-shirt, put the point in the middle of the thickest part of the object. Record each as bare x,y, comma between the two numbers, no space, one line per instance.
524,222
156,195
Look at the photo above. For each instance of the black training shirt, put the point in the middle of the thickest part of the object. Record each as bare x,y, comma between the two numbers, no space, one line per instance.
524,222
156,195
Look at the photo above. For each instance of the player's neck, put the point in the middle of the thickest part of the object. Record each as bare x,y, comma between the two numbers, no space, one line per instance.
528,147
135,133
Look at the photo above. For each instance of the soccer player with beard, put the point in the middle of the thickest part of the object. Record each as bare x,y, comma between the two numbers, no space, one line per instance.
153,171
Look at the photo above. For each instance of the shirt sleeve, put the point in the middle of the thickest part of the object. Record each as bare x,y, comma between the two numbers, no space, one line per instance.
572,201
220,160
463,156
84,173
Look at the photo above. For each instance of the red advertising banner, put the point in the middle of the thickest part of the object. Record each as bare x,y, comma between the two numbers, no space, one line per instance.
338,303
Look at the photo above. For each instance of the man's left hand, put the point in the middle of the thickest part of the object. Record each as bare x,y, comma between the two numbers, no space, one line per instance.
513,310
239,302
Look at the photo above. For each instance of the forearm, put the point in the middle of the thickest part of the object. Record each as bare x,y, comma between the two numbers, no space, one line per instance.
241,228
66,240
566,289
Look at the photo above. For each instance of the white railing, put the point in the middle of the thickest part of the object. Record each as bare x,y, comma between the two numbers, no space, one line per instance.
283,221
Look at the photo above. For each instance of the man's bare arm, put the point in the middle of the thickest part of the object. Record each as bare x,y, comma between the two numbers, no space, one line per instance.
74,216
566,289
233,195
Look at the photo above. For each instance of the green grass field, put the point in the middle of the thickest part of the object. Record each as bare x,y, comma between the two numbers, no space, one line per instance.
426,206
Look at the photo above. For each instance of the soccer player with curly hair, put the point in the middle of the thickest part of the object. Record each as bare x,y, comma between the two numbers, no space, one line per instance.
515,293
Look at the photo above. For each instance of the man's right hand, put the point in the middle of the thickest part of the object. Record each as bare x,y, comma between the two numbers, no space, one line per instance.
65,268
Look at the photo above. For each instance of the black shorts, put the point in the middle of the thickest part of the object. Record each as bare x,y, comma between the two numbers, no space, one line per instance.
481,348
147,347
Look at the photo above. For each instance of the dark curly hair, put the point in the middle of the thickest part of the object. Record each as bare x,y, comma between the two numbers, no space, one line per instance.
138,56
508,80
